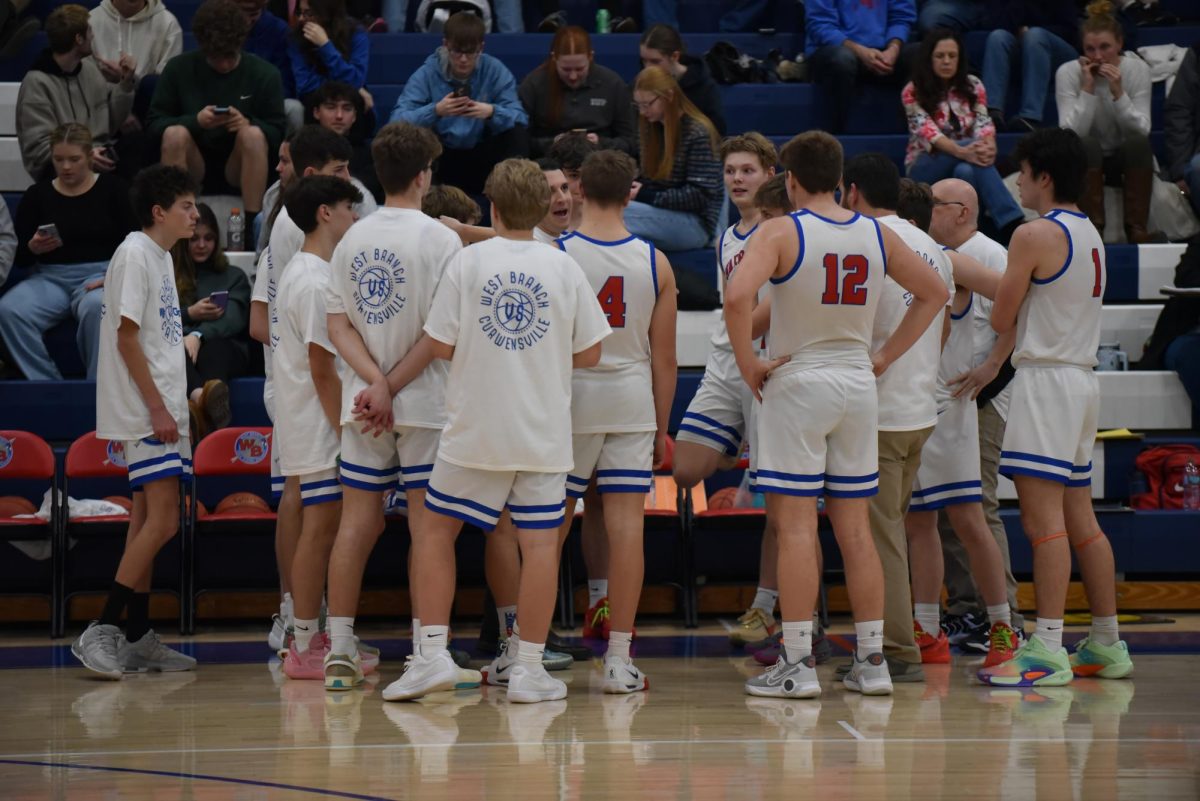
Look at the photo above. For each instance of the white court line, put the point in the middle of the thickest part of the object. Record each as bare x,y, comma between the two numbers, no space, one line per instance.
565,743
855,733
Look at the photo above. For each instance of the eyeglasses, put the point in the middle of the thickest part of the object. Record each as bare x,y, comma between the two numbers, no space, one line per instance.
647,104
464,53
949,203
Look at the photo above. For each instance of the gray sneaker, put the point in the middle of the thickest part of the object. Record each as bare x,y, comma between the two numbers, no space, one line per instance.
869,676
150,654
901,672
785,680
96,648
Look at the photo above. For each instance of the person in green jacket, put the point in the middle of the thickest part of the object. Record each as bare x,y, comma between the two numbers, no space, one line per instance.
215,326
219,110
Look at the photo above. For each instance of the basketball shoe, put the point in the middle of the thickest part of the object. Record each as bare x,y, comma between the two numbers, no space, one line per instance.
596,624
342,672
150,654
753,626
307,665
787,680
279,633
498,670
529,684
869,676
622,676
430,674
935,650
1002,644
97,647
1102,661
1032,665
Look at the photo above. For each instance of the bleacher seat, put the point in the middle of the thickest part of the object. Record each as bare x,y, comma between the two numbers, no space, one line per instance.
27,467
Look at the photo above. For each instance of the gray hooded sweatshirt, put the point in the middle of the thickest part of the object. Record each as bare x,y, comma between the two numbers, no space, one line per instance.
152,36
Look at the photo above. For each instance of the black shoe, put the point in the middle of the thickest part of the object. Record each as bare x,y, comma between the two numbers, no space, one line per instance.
904,672
461,658
623,25
822,648
552,22
969,626
580,653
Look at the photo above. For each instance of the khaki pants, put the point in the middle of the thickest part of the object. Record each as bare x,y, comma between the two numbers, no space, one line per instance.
899,458
963,595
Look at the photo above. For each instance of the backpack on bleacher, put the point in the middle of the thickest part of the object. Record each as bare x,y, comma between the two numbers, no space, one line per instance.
1163,468
432,14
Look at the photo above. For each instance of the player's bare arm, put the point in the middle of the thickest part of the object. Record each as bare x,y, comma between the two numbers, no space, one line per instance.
664,367
375,400
323,366
970,274
929,292
588,357
1038,250
771,251
134,357
260,329
972,382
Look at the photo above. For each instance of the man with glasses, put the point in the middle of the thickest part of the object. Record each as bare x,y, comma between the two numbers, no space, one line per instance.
470,101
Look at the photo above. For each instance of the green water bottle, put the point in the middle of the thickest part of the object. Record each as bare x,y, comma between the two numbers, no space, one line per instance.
603,21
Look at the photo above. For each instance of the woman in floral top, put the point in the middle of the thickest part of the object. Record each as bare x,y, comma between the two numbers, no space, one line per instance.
951,134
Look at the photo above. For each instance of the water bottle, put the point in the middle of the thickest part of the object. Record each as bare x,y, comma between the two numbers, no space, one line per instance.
236,231
1191,487
603,21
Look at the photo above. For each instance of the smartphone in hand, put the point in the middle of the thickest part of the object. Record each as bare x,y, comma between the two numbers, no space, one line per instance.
462,91
220,109
219,299
49,229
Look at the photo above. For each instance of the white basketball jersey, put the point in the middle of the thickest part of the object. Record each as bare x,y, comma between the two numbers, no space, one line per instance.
1059,322
822,311
958,354
730,250
616,395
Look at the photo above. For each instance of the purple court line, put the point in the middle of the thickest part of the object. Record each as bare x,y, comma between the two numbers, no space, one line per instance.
200,776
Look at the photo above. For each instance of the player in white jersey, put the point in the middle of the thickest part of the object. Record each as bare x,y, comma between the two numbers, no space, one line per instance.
717,420
313,150
817,425
620,408
512,316
383,276
907,407
141,403
948,478
1053,292
308,403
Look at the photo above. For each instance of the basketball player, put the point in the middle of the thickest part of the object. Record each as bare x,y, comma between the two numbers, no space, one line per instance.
513,317
141,400
383,276
1052,292
716,422
826,266
308,394
552,226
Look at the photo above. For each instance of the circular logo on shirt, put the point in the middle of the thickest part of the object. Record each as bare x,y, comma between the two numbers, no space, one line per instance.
378,278
516,305
515,311
6,452
168,312
115,452
251,448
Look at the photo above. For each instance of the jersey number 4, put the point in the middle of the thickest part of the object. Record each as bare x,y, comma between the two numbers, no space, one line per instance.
853,274
612,300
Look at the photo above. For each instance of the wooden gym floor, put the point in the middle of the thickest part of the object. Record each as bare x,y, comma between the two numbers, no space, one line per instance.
236,728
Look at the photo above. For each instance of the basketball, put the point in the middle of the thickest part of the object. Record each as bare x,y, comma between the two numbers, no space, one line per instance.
13,505
723,498
122,501
242,502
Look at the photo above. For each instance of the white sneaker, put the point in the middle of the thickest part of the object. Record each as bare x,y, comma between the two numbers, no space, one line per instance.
96,648
430,674
787,680
622,676
497,672
528,684
150,654
869,676
278,636
342,671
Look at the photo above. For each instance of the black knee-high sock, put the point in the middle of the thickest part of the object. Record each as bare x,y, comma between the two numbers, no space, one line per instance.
138,619
118,598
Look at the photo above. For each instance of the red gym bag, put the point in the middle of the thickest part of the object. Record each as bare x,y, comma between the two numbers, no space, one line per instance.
1163,468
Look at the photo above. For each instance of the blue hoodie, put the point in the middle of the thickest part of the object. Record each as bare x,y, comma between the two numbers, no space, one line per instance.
491,82
872,23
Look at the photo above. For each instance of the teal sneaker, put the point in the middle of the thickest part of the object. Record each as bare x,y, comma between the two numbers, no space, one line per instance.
1102,661
1033,665
556,660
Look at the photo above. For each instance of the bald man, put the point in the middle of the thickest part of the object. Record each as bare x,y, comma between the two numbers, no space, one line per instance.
955,224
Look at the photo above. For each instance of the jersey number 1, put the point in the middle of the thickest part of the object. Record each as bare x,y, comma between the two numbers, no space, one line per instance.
852,292
612,300
1097,289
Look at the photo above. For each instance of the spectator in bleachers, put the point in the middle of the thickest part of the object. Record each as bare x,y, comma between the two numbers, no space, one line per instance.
1182,121
850,41
1030,38
570,92
950,132
677,200
63,85
569,152
268,39
959,16
469,99
338,106
67,229
8,243
1104,96
327,45
219,109
662,46
137,35
215,335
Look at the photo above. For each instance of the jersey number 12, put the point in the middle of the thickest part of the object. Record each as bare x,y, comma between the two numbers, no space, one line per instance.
612,300
852,293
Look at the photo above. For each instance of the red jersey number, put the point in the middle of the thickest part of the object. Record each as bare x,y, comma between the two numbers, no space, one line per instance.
852,274
612,300
1098,289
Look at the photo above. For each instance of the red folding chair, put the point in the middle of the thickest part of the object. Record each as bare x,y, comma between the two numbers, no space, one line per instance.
230,453
28,457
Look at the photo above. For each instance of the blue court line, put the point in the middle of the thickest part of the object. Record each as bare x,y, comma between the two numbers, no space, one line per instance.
200,776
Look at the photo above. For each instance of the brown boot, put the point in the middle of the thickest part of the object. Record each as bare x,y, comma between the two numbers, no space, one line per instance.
1091,202
1138,183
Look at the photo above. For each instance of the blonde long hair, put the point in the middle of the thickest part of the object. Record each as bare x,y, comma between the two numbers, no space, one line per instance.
659,141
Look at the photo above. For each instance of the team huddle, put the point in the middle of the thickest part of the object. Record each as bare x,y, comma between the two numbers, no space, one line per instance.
497,383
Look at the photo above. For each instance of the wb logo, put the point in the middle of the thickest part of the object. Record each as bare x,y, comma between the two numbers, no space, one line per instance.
6,452
116,453
251,448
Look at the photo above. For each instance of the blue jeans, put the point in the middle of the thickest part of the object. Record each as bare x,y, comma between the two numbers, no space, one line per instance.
42,301
957,15
395,14
666,228
1183,356
1041,53
1191,174
994,196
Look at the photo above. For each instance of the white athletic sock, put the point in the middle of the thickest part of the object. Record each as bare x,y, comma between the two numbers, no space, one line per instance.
1000,613
305,631
507,616
341,636
285,609
797,640
1049,631
597,591
765,599
530,653
434,640
618,643
930,618
870,637
416,636
1104,630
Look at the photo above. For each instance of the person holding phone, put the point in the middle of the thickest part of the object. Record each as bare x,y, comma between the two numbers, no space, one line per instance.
214,302
67,230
